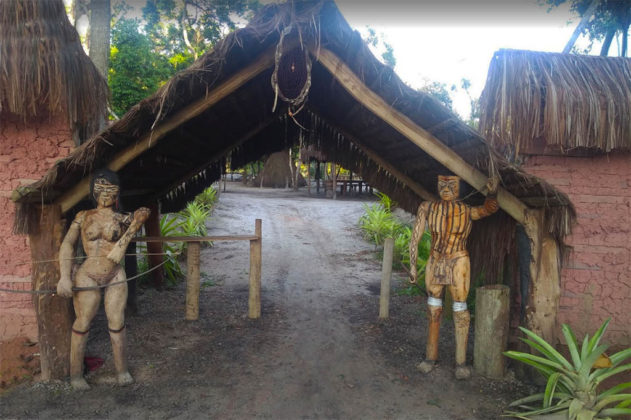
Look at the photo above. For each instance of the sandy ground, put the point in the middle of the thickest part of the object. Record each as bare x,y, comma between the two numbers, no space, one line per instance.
318,350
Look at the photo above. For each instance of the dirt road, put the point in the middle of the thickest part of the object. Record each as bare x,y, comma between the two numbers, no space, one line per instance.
317,352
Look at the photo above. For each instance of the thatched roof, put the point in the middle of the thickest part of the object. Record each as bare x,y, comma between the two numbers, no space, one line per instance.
537,102
43,68
190,154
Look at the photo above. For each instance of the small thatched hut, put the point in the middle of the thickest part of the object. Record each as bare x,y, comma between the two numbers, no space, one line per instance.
567,119
355,111
50,97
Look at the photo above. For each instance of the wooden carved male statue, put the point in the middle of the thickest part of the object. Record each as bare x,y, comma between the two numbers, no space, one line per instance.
105,235
449,222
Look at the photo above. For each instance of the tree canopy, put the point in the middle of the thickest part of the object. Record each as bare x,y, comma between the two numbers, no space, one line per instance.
601,20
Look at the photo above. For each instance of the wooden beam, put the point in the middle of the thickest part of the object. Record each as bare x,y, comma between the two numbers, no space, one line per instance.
417,135
72,196
409,182
195,238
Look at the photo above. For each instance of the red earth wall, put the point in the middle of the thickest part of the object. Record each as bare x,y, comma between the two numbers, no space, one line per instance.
596,281
26,153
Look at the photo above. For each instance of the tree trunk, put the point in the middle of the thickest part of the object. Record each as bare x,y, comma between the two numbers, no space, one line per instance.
100,34
607,42
579,28
99,43
625,40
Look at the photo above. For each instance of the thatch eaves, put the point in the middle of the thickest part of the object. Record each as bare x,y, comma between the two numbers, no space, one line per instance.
540,102
43,68
244,127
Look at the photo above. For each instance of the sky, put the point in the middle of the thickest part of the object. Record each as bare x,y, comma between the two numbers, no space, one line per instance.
447,40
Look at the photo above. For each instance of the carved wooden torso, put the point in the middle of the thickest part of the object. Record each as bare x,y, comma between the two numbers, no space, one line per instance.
449,223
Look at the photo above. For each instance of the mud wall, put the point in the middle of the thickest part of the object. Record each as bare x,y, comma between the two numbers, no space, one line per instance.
26,153
596,281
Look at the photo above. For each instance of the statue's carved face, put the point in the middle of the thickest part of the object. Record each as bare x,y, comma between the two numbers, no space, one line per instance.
105,193
448,187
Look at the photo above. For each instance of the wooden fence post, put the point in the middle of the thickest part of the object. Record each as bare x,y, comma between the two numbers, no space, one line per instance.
192,281
254,301
491,330
334,180
386,275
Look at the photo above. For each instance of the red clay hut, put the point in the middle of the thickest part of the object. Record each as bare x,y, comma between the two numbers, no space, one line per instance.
50,94
566,118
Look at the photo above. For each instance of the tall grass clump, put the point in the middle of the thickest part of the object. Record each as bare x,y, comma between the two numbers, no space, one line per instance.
378,223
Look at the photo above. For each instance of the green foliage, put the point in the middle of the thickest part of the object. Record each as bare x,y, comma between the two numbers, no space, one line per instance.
573,385
608,19
169,226
194,219
438,91
379,42
189,222
378,223
386,202
136,70
207,198
191,28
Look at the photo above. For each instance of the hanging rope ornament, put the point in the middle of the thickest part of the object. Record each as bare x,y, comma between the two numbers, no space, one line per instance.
291,78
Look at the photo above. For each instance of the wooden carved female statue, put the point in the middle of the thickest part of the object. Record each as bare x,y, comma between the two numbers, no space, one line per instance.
105,235
449,223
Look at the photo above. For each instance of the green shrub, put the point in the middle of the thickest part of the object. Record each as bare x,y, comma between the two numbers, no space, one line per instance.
573,387
378,223
194,219
207,198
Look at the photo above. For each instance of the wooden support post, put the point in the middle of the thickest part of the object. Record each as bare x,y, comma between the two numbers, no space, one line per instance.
152,227
308,177
131,269
254,301
333,180
491,330
386,275
54,313
545,278
192,281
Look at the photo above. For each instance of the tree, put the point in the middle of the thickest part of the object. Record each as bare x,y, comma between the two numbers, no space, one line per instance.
600,20
188,28
439,91
136,69
99,40
379,42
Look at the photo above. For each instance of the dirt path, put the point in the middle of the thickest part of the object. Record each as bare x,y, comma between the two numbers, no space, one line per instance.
317,352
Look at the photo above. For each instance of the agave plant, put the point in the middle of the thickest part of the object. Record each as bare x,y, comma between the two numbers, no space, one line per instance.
573,385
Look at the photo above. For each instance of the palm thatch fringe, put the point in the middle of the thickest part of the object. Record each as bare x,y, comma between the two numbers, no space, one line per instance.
564,101
43,68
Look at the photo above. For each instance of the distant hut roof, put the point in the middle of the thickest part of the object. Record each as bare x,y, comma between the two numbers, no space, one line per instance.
191,141
560,102
43,68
